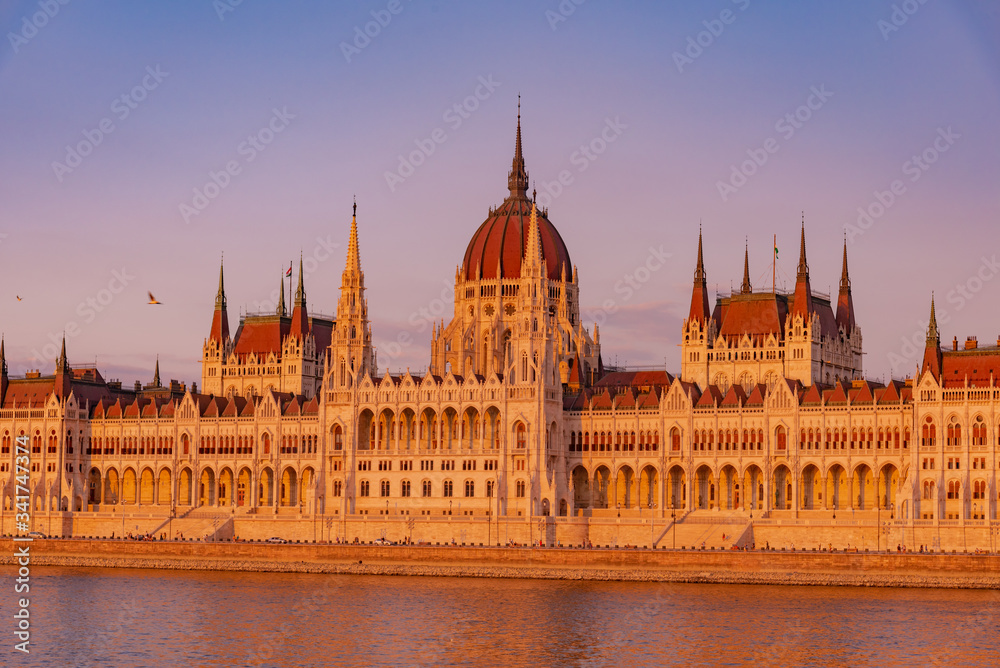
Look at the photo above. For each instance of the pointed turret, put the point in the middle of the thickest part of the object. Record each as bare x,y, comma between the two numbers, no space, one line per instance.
3,373
156,373
533,260
220,321
281,297
353,254
300,316
517,179
845,304
802,304
61,363
932,348
745,288
62,384
699,295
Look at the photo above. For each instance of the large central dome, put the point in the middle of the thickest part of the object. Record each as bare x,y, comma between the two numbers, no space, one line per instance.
499,242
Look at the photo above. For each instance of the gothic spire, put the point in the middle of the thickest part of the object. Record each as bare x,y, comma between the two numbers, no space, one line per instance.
517,179
300,291
699,270
220,321
802,303
845,303
220,296
932,349
61,364
746,289
845,281
699,294
932,327
3,359
533,246
803,272
156,373
353,254
281,297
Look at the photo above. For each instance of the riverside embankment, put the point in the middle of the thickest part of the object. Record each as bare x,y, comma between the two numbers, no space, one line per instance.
736,567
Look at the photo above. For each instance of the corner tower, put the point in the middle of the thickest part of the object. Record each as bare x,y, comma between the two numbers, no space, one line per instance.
351,354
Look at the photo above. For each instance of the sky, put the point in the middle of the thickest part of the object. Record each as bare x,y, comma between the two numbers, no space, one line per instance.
143,142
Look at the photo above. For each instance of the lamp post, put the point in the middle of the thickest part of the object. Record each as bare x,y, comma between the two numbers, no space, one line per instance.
673,523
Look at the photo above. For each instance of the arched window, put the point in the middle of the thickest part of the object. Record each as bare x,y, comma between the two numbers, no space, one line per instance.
449,488
520,436
781,438
519,488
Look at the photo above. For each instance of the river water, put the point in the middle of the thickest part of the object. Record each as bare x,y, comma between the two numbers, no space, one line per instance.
91,617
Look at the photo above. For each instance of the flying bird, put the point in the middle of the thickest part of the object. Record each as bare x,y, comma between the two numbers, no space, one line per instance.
18,297
152,299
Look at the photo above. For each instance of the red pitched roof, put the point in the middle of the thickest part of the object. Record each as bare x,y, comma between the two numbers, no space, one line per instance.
757,315
28,393
261,335
978,364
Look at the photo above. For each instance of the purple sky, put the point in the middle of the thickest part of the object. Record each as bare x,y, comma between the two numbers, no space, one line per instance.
82,243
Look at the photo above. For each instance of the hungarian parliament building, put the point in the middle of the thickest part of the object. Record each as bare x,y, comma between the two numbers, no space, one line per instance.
517,415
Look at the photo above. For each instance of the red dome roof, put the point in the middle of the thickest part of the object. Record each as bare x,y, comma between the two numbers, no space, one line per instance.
503,237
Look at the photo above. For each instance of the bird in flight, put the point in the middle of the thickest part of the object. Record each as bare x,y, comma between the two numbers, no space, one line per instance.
152,299
18,297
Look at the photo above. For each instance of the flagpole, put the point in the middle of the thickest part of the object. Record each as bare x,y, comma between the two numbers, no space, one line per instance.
774,267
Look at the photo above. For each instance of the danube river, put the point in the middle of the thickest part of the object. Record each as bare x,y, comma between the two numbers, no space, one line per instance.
89,617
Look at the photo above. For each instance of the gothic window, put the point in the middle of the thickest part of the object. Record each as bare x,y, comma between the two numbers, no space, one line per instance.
519,489
449,488
404,488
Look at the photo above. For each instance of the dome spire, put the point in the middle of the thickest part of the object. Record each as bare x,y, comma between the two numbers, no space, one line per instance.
517,179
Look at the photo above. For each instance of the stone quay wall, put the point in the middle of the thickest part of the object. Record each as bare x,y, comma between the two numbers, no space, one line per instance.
714,566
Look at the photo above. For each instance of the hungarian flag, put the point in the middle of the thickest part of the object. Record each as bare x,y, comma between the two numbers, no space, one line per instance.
289,272
775,252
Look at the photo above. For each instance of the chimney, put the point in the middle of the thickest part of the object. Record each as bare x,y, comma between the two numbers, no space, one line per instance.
971,343
954,343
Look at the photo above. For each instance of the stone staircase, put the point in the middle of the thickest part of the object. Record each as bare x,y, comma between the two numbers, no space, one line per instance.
711,528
